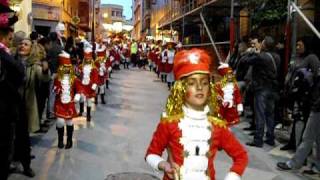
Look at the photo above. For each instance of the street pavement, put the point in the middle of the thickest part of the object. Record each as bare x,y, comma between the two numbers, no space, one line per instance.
114,143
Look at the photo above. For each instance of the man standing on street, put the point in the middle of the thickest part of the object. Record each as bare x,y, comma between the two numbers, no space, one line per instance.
265,67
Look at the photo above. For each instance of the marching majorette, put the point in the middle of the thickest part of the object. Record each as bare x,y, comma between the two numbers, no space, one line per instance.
229,96
101,66
168,54
190,129
126,54
115,53
89,80
157,59
65,86
162,64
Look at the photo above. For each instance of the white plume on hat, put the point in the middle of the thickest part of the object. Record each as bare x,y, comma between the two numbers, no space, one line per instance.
64,54
60,27
223,65
88,50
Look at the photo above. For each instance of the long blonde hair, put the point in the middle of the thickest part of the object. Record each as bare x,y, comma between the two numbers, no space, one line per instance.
176,99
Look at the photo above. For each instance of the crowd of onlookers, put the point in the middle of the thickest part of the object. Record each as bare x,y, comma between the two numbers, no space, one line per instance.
279,99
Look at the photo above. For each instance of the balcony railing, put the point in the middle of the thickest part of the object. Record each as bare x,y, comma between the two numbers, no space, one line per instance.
175,12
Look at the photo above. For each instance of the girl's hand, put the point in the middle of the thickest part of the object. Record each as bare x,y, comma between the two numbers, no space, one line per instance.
170,170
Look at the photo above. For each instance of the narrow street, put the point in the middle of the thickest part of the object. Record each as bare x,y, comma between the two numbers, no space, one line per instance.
116,140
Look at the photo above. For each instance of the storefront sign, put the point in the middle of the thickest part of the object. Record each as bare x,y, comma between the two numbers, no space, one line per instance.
46,12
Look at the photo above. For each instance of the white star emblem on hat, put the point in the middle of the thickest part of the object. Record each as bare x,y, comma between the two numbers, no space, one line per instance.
194,58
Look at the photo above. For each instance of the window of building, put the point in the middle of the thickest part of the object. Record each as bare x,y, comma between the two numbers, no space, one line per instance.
113,13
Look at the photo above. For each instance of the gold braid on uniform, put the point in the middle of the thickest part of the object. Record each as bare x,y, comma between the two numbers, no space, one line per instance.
61,73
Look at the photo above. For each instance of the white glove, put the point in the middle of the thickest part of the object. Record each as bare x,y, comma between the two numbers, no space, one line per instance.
240,108
94,86
77,98
232,176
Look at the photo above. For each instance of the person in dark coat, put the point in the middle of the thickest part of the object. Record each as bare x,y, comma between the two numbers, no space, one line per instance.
311,134
11,77
264,83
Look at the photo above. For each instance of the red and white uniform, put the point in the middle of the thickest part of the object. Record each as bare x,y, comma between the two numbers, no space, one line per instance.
89,80
231,104
65,86
169,64
65,91
192,143
101,66
229,92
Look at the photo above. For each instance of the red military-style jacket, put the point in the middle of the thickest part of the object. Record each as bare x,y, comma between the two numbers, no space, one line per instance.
168,137
64,105
87,84
231,115
102,71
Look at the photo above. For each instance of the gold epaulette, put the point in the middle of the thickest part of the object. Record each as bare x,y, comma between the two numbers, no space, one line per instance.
170,119
217,122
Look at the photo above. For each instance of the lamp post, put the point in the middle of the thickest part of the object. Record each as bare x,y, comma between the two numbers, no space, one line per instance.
93,29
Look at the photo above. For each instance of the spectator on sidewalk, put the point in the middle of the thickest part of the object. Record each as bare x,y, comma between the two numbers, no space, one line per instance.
265,82
311,134
11,77
308,63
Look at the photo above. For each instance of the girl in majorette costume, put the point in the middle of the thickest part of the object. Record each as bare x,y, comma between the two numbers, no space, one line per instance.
168,68
162,64
109,68
229,96
89,79
157,59
190,129
115,53
65,86
101,66
126,54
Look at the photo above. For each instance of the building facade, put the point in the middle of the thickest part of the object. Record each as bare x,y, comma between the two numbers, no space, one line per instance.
113,21
137,19
24,9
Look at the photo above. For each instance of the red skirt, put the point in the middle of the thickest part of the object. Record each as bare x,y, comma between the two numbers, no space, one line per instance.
168,68
88,91
65,111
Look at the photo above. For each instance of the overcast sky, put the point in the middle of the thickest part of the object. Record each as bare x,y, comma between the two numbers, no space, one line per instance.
126,6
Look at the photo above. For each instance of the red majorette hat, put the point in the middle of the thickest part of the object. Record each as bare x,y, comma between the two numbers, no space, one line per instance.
224,69
64,59
88,53
187,62
101,52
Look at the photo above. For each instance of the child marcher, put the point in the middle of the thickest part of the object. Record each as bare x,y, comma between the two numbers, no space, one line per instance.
229,96
190,129
89,80
101,66
65,85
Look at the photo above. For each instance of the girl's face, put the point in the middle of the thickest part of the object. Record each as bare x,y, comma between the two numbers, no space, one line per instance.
24,48
197,91
66,69
300,47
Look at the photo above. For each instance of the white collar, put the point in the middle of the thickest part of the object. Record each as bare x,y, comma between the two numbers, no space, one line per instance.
195,115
